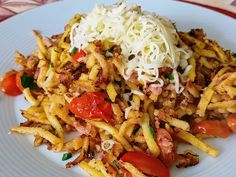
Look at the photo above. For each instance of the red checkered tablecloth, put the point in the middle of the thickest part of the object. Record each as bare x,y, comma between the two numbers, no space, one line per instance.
9,8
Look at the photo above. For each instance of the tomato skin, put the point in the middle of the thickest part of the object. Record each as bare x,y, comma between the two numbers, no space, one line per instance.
147,164
127,174
9,87
216,128
231,121
78,55
92,105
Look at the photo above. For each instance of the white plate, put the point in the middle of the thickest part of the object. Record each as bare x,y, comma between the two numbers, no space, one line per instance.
18,158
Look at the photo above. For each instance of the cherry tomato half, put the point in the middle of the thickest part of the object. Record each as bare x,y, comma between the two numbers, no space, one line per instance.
216,128
145,163
19,75
9,87
78,55
92,105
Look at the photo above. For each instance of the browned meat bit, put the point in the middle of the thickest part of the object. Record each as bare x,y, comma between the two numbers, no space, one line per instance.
165,70
38,141
68,67
27,123
83,153
101,80
166,144
85,128
56,36
116,50
48,144
188,98
133,77
65,79
153,89
99,47
32,62
48,42
20,59
187,160
117,149
197,33
200,80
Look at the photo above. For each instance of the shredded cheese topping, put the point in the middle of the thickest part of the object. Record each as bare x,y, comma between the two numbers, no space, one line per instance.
151,40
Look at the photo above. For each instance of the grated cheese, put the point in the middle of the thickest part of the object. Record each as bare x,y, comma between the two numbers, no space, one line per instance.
150,38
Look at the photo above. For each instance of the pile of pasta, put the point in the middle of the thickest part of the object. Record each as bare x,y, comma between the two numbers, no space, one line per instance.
209,92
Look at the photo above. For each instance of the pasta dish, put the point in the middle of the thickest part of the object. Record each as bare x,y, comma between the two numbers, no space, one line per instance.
130,88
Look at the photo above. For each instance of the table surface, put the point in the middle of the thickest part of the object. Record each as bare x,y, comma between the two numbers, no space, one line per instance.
9,8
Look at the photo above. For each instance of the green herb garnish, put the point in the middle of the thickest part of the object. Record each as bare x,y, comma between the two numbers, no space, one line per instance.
116,164
73,52
108,100
51,65
169,76
66,156
152,132
118,83
28,81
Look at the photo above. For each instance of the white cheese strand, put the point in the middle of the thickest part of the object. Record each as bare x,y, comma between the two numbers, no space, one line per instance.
178,87
152,40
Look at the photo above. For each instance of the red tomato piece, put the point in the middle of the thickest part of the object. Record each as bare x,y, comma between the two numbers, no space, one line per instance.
146,163
9,87
165,142
18,80
231,121
78,55
216,128
92,105
127,174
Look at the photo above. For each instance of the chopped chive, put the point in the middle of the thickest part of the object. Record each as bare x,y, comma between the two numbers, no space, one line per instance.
116,164
108,100
234,54
28,81
51,65
66,156
152,132
118,83
73,52
169,76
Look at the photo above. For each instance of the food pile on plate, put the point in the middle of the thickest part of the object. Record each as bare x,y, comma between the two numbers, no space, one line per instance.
130,87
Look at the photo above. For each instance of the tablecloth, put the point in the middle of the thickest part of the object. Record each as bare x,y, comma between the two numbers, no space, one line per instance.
9,8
